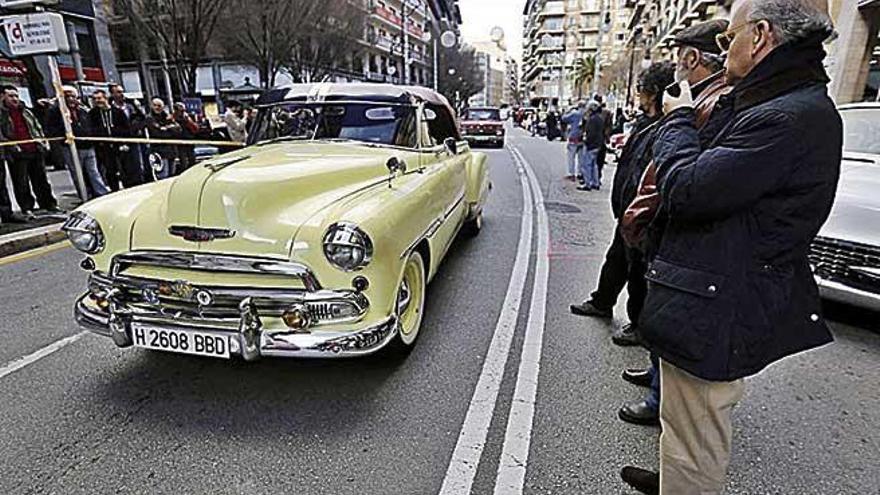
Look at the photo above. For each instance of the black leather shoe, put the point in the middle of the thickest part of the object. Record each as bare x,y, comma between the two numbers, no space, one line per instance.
587,308
638,413
638,377
641,479
627,336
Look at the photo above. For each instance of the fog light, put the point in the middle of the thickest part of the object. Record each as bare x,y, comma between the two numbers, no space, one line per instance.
297,317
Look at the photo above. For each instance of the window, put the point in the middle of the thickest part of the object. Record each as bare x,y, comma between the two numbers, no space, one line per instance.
88,50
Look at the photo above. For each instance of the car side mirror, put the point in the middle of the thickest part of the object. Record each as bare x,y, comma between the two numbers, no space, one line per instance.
395,166
451,145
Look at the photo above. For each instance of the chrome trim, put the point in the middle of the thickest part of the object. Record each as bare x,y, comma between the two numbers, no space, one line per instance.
225,299
215,263
200,234
72,224
432,228
248,337
839,292
352,230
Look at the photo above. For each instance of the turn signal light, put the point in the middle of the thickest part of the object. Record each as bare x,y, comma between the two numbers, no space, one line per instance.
297,318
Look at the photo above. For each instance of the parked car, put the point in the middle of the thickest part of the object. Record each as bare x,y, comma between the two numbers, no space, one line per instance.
315,240
483,125
846,254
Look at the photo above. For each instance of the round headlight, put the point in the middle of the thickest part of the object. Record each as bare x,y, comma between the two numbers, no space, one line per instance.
84,232
347,247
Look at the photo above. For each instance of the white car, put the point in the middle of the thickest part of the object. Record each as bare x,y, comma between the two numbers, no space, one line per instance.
845,256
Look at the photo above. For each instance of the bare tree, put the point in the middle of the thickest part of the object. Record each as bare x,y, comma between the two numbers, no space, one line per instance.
183,28
263,33
459,74
328,36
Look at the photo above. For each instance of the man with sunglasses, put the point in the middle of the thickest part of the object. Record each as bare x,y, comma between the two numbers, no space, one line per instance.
730,290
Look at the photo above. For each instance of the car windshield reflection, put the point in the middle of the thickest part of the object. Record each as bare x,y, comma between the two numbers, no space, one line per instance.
482,114
382,124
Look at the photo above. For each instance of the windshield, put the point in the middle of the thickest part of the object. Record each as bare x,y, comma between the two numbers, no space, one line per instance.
482,114
367,122
861,127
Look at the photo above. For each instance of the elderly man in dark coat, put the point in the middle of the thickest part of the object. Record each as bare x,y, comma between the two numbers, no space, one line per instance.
730,290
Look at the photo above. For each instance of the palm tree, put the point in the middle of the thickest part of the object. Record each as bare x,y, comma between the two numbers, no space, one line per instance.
584,70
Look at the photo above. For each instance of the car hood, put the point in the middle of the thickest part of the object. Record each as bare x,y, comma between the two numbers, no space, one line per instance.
262,194
855,216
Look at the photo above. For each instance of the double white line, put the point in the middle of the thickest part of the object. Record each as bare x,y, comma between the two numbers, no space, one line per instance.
465,460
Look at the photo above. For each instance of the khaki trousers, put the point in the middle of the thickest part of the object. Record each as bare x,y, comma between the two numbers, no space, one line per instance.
696,439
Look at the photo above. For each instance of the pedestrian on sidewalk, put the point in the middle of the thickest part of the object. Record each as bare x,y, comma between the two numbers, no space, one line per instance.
236,125
189,130
699,62
616,270
607,127
731,287
593,137
132,159
160,125
79,121
110,122
26,166
575,136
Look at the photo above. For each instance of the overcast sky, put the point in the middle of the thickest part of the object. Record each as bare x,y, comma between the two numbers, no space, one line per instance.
480,16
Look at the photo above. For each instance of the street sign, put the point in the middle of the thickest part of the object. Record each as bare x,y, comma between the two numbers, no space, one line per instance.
32,34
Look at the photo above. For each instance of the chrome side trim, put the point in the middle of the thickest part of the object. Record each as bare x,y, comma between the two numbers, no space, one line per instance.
215,263
432,228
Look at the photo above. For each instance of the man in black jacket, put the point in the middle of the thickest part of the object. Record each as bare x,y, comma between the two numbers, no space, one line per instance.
617,269
731,289
111,122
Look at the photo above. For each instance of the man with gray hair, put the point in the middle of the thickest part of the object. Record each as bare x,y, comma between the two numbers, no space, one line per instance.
730,289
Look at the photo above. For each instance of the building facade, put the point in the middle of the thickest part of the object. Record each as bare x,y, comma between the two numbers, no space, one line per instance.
556,34
86,25
854,57
495,66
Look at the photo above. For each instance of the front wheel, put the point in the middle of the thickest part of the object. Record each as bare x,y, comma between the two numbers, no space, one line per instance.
472,228
410,304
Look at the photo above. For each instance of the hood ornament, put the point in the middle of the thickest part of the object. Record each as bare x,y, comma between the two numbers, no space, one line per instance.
198,234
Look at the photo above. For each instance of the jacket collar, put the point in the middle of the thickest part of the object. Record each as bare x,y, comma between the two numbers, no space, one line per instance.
786,68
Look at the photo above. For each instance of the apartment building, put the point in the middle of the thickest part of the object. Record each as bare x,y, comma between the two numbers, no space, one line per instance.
854,57
498,69
556,34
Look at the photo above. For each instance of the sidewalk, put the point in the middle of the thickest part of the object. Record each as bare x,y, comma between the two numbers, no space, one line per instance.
43,229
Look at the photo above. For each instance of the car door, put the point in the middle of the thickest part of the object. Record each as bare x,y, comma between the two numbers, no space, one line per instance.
447,175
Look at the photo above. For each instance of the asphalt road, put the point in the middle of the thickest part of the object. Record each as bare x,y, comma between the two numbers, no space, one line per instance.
91,418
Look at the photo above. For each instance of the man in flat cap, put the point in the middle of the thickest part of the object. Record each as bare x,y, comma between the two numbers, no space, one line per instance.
699,62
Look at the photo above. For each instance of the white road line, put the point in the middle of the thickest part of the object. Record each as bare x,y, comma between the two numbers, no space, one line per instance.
469,448
21,362
515,452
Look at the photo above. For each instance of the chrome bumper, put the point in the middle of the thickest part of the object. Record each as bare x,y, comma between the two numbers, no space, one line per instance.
248,338
839,292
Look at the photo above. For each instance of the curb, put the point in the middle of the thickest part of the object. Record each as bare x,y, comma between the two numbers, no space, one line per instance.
24,240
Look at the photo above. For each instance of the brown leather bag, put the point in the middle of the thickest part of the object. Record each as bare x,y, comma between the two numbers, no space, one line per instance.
643,209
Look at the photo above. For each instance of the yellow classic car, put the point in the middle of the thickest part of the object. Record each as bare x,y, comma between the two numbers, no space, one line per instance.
315,240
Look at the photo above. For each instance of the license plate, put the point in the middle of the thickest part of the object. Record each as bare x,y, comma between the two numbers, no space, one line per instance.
180,341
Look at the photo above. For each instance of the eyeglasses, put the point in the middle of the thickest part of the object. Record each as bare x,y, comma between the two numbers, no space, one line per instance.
725,39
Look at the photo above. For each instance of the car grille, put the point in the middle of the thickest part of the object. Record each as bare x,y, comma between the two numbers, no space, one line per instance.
838,261
481,130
